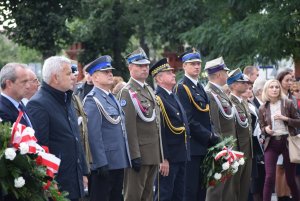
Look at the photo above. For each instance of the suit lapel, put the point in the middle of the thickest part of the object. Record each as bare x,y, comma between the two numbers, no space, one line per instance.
107,98
198,90
166,96
13,111
219,92
9,105
140,90
237,102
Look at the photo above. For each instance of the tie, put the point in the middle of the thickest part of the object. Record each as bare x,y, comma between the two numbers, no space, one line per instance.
22,109
113,98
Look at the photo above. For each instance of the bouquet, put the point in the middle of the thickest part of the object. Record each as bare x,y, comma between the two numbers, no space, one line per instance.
221,162
26,168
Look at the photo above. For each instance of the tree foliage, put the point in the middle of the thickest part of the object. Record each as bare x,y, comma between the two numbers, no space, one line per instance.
11,52
245,32
103,28
38,24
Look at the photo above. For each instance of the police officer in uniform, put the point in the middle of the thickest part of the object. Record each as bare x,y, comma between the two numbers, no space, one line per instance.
238,84
222,117
196,104
143,127
175,135
107,134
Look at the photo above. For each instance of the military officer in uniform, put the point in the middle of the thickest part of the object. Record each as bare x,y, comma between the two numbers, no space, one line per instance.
175,135
196,104
143,128
107,134
222,117
238,84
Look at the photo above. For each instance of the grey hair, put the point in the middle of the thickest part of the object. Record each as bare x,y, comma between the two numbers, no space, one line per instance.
8,72
258,86
53,66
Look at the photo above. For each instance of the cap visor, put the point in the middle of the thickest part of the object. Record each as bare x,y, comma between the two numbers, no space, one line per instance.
108,68
143,61
193,60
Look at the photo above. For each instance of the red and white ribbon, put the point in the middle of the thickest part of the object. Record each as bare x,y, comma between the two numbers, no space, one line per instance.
23,134
229,154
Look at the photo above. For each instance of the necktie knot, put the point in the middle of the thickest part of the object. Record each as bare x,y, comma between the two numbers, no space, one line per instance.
21,107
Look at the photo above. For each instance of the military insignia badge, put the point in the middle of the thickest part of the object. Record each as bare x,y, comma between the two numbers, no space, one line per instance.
122,102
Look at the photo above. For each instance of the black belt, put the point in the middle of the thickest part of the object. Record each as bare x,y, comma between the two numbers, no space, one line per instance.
279,137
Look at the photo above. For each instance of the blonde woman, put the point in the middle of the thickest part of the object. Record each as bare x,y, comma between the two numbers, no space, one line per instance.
278,119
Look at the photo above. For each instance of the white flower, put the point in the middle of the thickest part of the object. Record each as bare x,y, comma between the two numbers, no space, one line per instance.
10,153
234,170
225,165
217,176
235,165
24,148
242,161
19,182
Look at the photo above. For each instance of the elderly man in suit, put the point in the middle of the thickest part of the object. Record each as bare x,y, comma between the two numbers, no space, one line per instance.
14,80
238,83
107,134
196,104
143,129
55,123
175,135
222,117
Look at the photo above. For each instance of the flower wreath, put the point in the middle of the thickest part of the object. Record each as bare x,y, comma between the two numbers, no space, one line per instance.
26,168
221,162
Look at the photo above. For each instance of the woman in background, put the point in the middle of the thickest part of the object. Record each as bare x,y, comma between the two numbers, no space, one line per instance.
278,118
285,78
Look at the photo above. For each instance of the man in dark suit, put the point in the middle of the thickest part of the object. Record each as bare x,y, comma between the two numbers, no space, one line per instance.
196,104
14,81
56,125
107,134
143,128
175,135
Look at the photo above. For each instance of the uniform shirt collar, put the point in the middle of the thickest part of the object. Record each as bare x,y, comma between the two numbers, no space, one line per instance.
140,83
216,85
104,91
195,82
240,99
169,92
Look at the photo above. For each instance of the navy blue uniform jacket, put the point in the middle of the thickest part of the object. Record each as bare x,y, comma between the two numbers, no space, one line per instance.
199,122
174,146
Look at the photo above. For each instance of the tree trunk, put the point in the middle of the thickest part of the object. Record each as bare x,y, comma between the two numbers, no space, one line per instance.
297,68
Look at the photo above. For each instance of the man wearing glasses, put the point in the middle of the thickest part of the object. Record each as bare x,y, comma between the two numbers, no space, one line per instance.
34,84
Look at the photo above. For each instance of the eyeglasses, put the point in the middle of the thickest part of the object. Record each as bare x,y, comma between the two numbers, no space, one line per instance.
35,80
